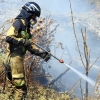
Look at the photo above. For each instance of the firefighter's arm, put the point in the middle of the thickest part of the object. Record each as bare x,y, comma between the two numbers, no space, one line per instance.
12,36
19,41
45,55
35,51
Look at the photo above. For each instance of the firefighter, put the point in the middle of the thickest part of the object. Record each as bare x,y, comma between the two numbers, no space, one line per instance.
18,39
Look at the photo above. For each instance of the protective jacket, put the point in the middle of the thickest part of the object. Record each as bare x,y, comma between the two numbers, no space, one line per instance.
16,38
18,33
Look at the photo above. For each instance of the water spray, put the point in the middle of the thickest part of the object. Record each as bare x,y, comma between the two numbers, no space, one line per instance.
82,75
76,71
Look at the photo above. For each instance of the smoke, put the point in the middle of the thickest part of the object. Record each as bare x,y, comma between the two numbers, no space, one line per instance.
60,12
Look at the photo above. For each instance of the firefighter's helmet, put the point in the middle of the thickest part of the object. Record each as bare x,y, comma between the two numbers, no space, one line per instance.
33,8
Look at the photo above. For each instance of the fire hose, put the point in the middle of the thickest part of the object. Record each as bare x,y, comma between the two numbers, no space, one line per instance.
76,71
60,60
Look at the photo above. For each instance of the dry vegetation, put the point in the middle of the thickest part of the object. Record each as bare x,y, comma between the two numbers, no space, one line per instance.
43,35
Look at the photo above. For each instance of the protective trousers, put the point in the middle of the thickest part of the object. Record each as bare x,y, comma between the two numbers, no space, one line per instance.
16,77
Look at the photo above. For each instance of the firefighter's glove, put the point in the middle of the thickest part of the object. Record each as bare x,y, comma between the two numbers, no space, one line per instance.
46,56
61,61
43,54
26,42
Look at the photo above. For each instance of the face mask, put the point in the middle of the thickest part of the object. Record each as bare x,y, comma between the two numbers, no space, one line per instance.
33,22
